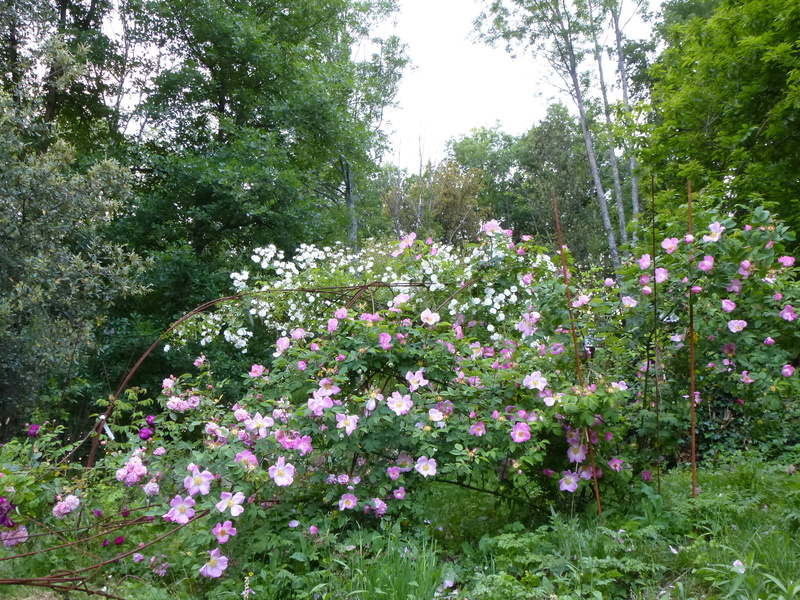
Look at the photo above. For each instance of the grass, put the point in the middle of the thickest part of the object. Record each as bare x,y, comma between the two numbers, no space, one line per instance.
738,539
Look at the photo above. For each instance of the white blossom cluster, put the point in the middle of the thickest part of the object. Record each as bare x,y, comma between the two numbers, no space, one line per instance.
312,269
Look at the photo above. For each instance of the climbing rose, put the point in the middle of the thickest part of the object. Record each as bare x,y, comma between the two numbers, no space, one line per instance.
736,325
425,466
347,502
216,564
569,482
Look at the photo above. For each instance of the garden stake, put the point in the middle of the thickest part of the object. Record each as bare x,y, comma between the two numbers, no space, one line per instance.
691,357
656,391
565,273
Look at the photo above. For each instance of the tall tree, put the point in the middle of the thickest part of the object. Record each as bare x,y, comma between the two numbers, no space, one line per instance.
556,31
595,25
727,101
441,202
58,273
520,174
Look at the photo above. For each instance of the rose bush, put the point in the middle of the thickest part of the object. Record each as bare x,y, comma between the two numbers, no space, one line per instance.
406,367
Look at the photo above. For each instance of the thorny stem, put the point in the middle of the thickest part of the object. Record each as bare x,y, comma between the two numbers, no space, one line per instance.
692,358
656,390
565,273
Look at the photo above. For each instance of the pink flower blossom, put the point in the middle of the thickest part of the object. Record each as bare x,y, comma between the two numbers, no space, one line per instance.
736,325
426,466
232,501
14,537
716,231
582,300
430,318
661,275
521,432
256,371
535,381
609,283
788,313
399,493
259,424
405,462
647,290
399,404
393,472
735,286
333,325
478,429
527,326
313,530
745,268
644,262
568,482
346,422
728,305
577,454
629,302
341,313
380,507
416,380
298,334
491,227
198,483
385,340
787,370
769,341
786,261
327,387
615,464
646,476
706,264
746,377
66,506
282,473
181,510
224,531
348,502
282,345
670,245
216,564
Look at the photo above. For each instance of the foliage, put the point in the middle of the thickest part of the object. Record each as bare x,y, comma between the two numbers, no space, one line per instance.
725,100
402,369
57,272
441,203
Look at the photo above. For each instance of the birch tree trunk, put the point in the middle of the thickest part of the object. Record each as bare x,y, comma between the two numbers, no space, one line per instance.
587,140
623,78
623,232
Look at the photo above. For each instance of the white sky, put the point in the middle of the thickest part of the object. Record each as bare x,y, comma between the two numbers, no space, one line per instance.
456,83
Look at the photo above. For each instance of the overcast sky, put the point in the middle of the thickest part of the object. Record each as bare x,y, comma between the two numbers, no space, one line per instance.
456,83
